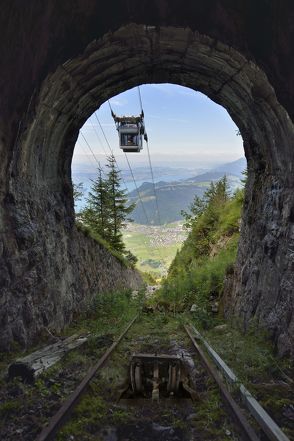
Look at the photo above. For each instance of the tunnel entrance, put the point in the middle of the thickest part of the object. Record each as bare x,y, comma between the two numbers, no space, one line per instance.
192,142
40,190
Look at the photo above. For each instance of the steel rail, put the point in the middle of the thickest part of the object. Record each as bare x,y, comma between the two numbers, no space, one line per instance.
268,425
247,430
61,415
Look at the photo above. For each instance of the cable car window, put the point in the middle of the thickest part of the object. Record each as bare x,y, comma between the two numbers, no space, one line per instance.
129,139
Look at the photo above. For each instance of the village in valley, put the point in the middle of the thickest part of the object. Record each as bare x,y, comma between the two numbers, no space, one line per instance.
154,245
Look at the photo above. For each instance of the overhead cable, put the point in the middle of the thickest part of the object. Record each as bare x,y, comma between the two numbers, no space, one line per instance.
133,177
153,182
94,156
85,151
150,164
98,137
138,193
110,149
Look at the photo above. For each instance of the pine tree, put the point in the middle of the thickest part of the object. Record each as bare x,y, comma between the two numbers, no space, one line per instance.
78,193
117,208
107,208
196,209
95,215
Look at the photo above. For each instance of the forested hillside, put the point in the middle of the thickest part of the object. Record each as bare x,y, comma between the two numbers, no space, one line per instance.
196,275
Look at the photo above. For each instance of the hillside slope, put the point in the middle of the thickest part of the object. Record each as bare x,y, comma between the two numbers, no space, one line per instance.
178,195
196,275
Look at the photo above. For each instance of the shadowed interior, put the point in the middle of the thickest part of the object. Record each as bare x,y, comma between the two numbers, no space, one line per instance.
49,270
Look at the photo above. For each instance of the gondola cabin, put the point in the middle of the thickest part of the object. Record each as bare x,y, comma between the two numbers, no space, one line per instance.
130,139
131,131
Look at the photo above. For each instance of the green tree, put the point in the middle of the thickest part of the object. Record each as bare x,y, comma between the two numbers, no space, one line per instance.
196,275
196,208
78,192
216,195
117,205
245,176
107,208
131,258
96,213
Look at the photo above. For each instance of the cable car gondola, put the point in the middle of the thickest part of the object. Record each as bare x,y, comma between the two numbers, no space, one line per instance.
131,131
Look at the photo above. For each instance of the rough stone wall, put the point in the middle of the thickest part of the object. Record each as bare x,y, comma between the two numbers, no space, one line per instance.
50,270
243,61
261,289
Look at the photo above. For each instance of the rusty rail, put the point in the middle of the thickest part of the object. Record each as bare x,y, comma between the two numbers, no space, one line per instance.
267,424
60,417
245,427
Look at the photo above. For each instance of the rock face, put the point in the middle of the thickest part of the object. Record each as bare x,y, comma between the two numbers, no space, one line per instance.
62,62
53,276
261,289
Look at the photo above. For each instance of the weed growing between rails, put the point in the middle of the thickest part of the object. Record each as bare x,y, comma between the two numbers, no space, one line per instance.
25,408
100,416
109,312
250,355
253,360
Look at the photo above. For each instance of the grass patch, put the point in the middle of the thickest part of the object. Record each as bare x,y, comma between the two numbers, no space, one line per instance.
250,354
252,358
107,314
105,319
197,273
204,281
210,416
9,407
98,239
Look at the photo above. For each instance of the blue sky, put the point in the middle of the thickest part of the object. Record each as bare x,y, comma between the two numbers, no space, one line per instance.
185,128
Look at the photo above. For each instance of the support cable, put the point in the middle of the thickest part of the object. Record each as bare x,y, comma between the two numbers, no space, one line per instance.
111,111
151,170
153,182
140,98
98,137
110,149
94,101
150,164
103,132
139,196
138,193
85,151
133,177
89,147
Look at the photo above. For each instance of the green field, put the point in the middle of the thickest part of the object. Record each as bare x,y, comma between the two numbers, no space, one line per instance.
155,247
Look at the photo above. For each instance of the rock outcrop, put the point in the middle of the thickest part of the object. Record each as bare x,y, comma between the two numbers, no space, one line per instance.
61,61
53,277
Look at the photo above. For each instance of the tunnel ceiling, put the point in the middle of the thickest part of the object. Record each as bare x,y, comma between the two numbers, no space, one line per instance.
136,54
43,35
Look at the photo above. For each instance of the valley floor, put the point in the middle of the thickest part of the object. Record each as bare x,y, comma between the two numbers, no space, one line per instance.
154,246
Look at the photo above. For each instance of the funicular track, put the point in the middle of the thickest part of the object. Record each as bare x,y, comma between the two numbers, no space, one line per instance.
244,429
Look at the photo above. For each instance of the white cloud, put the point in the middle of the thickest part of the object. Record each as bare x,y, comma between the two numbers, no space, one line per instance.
119,102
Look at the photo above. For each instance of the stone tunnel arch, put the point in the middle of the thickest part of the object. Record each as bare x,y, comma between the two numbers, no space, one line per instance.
40,191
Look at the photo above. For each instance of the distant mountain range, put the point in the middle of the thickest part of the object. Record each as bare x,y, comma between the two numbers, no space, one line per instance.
178,195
